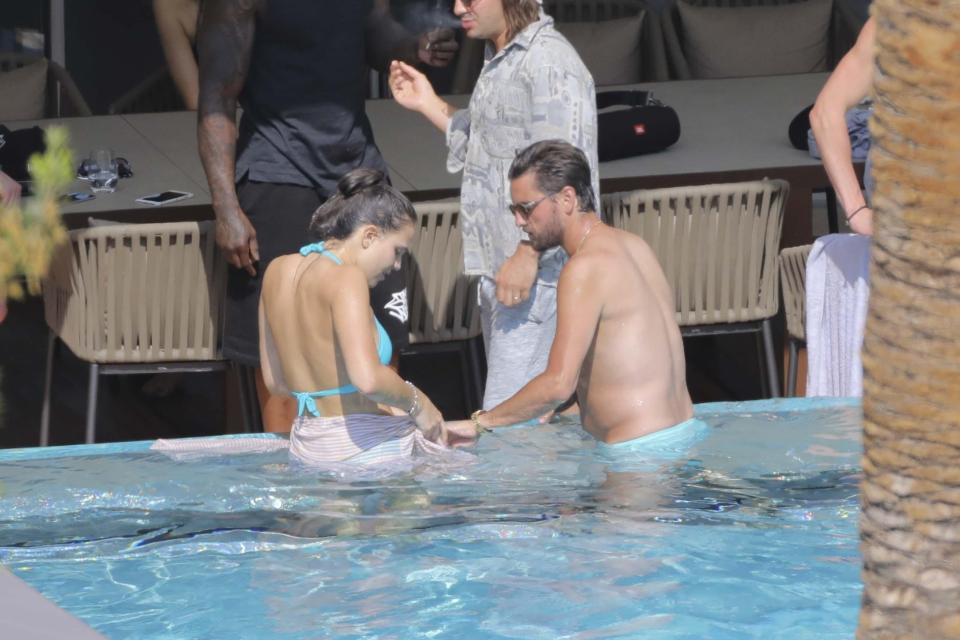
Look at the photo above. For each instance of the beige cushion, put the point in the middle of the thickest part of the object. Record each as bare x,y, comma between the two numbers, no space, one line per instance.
724,42
24,91
610,49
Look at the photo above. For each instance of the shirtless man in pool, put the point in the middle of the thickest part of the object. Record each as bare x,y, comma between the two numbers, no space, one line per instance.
617,343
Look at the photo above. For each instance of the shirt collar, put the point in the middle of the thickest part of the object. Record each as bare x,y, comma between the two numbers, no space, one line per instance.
523,39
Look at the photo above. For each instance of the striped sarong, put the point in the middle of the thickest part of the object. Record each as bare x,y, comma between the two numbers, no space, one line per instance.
360,438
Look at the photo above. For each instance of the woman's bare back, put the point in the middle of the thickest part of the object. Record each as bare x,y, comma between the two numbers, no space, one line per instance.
298,298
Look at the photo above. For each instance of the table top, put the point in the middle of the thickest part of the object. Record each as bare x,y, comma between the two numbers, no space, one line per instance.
152,170
175,135
727,126
734,124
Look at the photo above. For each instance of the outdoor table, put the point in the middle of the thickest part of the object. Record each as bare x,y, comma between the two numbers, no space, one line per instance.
731,130
152,172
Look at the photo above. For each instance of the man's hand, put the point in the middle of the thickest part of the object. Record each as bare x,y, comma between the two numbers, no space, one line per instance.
9,190
517,275
237,239
411,89
437,48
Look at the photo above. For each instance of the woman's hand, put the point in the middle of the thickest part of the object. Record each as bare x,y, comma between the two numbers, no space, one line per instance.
461,433
411,89
862,222
430,421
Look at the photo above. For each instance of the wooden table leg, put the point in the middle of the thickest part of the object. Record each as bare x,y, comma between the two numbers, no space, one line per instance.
798,217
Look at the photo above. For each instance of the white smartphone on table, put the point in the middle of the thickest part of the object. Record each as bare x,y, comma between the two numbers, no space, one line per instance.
164,197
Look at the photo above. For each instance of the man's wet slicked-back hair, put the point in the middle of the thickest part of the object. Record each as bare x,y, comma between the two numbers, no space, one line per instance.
557,164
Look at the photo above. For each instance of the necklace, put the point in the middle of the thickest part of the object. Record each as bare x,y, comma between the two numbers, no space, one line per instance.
586,235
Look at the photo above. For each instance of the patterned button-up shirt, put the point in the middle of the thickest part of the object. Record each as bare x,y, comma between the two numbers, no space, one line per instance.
536,88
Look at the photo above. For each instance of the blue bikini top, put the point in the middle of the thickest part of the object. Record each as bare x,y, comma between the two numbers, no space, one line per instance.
384,349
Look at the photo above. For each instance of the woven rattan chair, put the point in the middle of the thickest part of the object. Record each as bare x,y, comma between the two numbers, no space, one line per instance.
718,248
63,99
793,272
442,301
137,298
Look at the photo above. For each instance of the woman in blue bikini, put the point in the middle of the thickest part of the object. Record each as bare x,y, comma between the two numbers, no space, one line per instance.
320,342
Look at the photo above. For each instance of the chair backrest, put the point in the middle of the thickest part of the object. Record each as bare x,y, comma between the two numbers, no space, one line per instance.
592,10
844,26
653,59
63,98
717,245
442,300
793,276
138,293
156,93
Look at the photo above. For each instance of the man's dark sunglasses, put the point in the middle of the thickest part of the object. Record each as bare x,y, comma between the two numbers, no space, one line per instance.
524,209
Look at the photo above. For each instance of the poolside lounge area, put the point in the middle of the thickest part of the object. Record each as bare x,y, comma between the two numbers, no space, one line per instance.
746,425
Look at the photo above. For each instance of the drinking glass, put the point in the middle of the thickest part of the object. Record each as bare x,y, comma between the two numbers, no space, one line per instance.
102,171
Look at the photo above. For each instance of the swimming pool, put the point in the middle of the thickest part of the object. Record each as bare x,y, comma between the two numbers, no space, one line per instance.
751,532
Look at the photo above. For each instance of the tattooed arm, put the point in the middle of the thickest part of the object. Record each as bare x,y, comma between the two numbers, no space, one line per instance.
224,43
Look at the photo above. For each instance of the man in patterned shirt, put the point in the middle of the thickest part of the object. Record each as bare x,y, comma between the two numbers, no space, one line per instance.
533,87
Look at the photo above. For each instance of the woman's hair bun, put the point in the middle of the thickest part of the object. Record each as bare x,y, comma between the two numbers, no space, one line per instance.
364,196
358,180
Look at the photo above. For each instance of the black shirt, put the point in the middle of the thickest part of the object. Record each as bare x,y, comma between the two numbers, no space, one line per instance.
303,100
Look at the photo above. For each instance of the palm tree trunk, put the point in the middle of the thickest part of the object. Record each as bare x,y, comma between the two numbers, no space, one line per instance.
910,525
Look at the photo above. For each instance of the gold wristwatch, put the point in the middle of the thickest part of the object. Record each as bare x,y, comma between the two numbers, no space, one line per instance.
475,418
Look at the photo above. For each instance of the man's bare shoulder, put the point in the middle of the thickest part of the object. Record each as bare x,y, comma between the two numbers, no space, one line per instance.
635,245
585,270
579,267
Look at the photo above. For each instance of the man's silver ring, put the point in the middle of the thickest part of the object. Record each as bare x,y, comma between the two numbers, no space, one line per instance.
516,297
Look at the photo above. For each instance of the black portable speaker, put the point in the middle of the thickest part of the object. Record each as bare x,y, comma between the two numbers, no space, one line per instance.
646,126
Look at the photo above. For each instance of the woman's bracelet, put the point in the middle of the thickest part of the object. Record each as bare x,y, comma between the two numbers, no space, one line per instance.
415,407
857,210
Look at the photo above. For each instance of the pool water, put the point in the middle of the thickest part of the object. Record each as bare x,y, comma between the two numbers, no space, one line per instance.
750,533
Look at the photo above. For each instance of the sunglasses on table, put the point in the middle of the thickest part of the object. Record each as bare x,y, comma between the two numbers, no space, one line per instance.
525,209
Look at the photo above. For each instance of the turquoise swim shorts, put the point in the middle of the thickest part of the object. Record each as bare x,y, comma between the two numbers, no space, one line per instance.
667,445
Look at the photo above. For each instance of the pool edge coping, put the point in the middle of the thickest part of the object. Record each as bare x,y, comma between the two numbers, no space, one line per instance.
139,446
